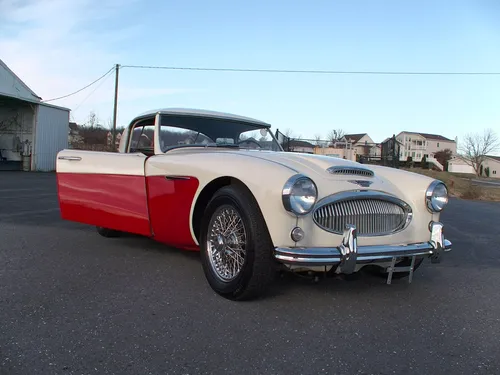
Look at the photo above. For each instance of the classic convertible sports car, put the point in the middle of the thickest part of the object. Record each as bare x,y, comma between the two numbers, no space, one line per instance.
221,184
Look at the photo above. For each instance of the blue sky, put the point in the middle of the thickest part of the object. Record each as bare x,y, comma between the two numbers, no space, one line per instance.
59,46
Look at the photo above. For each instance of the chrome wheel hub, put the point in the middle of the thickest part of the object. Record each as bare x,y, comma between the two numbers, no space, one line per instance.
226,243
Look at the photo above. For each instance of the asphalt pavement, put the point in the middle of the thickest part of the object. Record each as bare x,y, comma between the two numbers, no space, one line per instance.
73,302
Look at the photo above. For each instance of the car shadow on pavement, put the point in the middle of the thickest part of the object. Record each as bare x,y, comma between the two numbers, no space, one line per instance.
361,283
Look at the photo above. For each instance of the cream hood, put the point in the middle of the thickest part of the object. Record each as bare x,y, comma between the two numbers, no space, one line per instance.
403,184
390,180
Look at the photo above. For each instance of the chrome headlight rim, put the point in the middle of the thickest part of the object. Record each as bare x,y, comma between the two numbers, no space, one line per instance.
286,194
429,196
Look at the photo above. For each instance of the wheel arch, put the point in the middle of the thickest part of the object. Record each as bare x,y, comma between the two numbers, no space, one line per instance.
206,195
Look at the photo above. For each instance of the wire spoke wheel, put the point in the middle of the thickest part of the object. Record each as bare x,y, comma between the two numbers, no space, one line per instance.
236,249
226,243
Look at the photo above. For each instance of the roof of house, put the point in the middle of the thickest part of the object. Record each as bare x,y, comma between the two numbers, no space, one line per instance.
497,158
299,143
35,96
354,137
73,126
436,137
459,158
390,139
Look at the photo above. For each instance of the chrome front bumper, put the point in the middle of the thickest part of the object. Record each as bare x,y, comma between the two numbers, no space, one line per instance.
347,255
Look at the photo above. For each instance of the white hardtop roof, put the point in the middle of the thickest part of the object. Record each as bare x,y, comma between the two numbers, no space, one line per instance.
202,113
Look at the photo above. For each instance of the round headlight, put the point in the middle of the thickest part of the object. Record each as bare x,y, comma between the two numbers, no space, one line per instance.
436,196
299,195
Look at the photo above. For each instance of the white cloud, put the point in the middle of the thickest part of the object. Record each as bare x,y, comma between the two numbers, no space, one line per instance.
58,46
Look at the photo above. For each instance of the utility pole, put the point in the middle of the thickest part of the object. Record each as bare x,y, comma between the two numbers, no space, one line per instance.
117,71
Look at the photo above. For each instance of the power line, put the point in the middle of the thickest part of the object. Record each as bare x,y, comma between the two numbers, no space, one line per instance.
83,88
306,71
91,93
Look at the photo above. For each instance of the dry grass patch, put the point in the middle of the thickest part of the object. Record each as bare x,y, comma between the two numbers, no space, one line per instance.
461,185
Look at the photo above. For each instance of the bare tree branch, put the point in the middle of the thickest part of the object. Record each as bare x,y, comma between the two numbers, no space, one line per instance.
93,120
288,133
317,139
335,135
476,147
10,124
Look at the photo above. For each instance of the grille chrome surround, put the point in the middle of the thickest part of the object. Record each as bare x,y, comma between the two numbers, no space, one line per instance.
373,213
350,171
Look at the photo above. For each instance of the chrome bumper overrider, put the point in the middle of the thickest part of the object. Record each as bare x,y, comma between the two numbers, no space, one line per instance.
347,255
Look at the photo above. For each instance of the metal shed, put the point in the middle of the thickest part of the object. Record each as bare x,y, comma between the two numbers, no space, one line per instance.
31,132
50,135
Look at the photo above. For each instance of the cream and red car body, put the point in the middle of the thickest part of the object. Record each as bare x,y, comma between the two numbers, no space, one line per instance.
163,196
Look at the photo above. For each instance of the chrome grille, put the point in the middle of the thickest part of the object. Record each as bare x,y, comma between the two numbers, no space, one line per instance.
356,171
373,214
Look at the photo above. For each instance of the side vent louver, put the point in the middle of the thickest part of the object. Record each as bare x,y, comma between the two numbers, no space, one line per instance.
350,171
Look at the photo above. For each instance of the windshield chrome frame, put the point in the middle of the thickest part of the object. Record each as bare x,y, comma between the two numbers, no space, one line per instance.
273,138
157,143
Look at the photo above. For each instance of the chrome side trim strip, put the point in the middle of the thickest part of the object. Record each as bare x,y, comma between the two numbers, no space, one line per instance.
72,158
171,177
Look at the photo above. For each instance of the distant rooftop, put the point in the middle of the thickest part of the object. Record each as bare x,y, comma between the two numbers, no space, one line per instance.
436,137
497,158
299,143
354,137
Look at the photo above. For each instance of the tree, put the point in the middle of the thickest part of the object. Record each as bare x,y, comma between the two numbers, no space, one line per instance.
476,147
10,124
93,120
424,163
288,133
335,135
92,133
443,156
317,139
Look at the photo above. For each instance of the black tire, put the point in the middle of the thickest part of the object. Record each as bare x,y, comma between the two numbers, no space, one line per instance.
108,233
259,267
378,271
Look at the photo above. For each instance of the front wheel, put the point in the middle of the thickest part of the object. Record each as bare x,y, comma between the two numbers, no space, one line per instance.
236,249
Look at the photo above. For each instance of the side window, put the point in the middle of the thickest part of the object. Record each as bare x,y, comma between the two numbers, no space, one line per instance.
142,139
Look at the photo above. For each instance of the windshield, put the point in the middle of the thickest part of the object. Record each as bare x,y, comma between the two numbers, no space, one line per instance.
178,131
261,139
190,131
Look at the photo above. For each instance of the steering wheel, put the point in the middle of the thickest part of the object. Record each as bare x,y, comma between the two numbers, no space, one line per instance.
250,140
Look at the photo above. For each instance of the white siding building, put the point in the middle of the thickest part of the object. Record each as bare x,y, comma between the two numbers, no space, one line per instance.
418,145
457,164
493,165
297,145
31,132
363,144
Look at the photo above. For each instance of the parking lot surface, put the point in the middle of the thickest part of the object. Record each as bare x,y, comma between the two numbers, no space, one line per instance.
73,302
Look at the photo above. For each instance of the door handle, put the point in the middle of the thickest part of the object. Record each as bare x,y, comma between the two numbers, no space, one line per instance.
74,158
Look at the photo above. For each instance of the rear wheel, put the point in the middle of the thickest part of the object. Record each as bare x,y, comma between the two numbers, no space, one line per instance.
236,249
109,233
